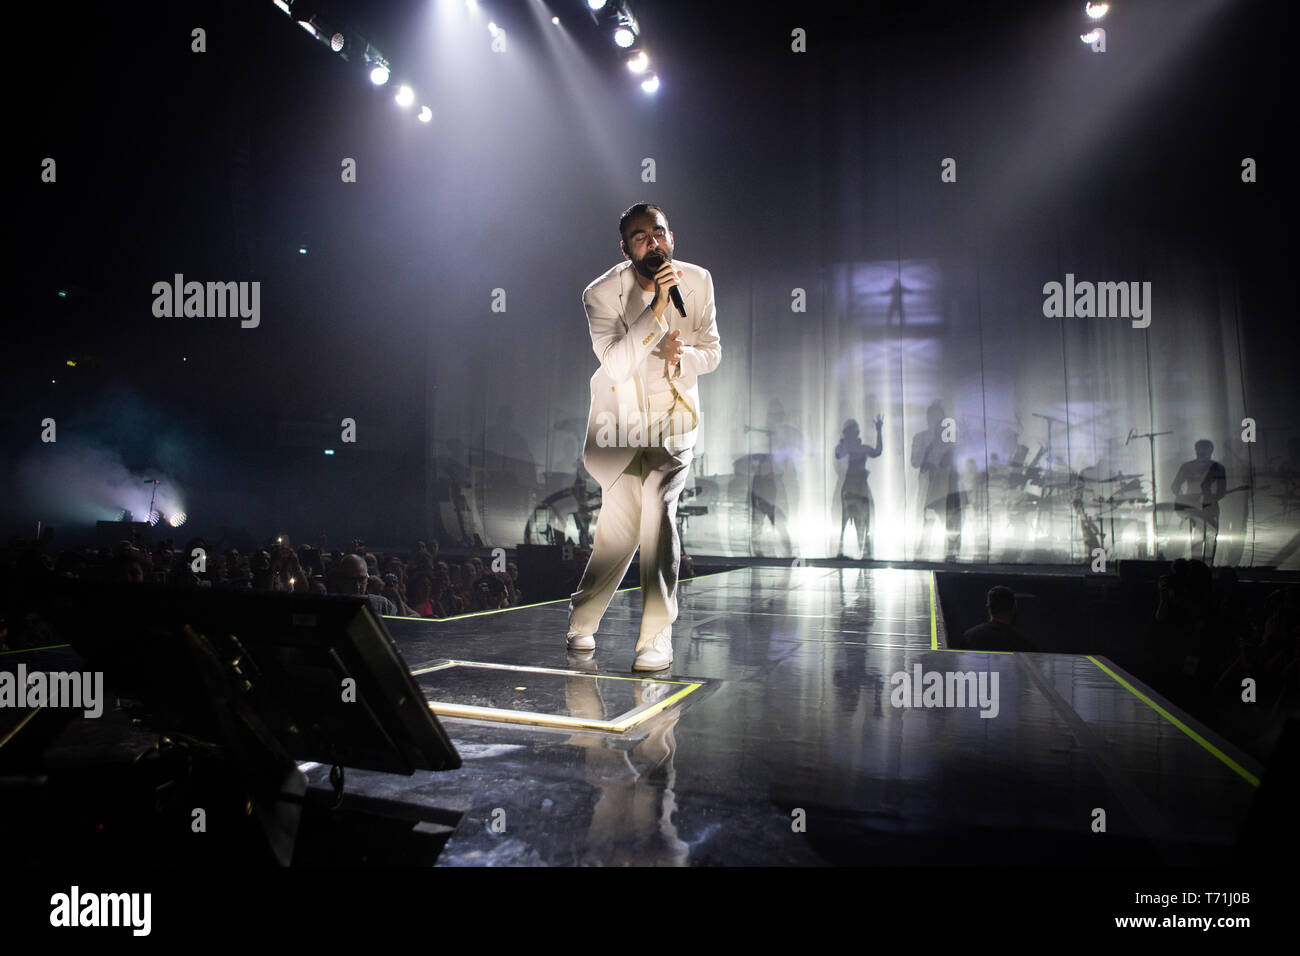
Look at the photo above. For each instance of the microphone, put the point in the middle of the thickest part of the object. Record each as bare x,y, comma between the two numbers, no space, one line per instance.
674,293
1130,436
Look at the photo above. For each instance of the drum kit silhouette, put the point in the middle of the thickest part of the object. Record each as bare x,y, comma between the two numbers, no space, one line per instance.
1107,510
1129,504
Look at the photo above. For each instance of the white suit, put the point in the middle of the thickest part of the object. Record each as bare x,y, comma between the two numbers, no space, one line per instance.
641,470
624,336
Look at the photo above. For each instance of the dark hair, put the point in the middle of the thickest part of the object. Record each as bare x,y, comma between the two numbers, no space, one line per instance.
1204,443
1001,599
637,210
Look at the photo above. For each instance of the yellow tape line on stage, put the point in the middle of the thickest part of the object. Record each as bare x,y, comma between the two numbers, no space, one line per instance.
1241,771
934,623
21,724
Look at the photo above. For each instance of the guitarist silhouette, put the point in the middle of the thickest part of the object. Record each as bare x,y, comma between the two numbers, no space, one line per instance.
1197,488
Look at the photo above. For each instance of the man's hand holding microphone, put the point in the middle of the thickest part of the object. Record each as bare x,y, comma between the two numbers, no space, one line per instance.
667,290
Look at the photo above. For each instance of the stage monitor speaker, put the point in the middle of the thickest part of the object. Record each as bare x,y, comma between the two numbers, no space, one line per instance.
239,687
320,674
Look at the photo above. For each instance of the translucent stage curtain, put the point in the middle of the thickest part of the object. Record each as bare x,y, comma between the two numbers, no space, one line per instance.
852,285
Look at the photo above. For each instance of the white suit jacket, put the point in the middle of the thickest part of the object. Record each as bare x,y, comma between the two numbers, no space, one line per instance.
625,335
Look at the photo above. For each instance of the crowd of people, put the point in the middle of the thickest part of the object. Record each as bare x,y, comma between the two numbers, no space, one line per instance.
1231,663
417,584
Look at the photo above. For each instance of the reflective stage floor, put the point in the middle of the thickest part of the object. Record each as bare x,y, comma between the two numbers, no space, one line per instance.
800,725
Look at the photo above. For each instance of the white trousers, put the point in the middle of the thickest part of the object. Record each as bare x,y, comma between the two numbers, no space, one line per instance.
638,510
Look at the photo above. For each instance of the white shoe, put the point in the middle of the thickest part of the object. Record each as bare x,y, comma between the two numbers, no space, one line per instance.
658,654
581,642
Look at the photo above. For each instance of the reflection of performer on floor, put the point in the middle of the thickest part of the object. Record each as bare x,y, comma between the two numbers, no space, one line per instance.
938,492
855,496
632,820
1198,486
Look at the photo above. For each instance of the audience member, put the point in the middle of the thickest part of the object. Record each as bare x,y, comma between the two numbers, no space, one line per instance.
353,579
997,633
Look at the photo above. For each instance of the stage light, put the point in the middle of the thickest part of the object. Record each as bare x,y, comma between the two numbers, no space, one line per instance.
493,28
282,5
651,83
1090,37
329,451
638,62
302,250
155,516
336,43
1096,10
376,61
596,4
555,20
405,96
63,293
308,26
426,114
625,29
177,519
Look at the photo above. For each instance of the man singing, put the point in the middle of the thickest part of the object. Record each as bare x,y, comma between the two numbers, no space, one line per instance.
644,420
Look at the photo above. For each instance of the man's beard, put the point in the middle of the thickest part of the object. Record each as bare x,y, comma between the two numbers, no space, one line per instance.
649,264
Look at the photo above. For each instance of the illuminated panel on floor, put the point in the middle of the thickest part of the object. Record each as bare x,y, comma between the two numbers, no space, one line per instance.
547,697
